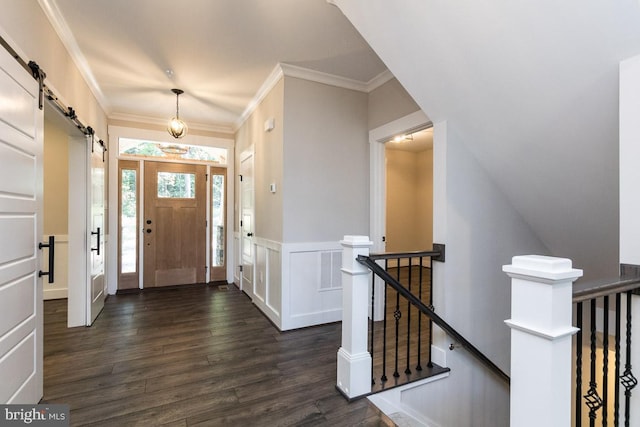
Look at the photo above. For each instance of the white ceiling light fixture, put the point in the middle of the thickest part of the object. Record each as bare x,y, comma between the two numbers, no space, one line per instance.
177,128
402,138
174,149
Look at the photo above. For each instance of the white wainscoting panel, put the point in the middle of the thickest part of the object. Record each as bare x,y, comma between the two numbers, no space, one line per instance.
298,284
57,289
238,257
311,284
267,286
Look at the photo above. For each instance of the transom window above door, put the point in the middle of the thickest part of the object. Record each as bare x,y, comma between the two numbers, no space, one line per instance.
143,148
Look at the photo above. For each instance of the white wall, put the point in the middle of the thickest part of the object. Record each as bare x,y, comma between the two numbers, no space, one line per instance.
532,92
29,31
389,102
326,169
268,166
317,157
425,197
481,231
629,156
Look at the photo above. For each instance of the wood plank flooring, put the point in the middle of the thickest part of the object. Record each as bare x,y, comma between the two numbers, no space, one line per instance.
195,356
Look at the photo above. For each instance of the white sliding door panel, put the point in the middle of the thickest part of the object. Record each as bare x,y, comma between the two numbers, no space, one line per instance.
21,124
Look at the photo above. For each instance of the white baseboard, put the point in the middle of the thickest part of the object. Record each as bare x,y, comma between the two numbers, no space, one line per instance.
312,319
54,294
390,402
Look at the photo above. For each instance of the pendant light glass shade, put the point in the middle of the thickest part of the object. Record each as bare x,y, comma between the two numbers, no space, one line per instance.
177,128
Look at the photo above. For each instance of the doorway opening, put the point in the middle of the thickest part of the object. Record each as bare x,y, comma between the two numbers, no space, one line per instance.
379,140
74,199
409,195
172,213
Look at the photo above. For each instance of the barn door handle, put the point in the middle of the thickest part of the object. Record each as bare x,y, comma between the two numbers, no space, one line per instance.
97,248
51,245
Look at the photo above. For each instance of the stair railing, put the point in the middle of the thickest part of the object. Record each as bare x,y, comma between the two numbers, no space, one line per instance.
571,347
603,313
426,310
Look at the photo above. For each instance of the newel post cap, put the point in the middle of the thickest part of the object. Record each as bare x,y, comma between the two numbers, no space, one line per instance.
544,267
356,241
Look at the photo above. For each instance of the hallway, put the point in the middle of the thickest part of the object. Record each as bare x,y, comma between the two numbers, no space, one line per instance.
197,355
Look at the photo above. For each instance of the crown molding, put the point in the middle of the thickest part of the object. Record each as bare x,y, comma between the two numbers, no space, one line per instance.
281,70
273,78
338,81
53,14
134,118
379,80
325,78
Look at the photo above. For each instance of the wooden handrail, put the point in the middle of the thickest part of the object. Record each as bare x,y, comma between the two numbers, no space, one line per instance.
628,280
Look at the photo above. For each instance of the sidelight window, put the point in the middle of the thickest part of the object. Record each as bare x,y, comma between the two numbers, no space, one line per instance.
128,221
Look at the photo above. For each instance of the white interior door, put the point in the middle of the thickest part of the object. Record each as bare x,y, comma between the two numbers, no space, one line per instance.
21,127
96,283
246,224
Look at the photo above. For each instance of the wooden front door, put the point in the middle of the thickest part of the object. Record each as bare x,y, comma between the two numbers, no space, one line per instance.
21,127
175,224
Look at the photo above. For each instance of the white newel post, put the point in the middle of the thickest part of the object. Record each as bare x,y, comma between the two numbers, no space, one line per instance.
354,361
541,330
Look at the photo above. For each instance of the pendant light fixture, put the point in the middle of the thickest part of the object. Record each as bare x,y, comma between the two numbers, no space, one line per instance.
177,128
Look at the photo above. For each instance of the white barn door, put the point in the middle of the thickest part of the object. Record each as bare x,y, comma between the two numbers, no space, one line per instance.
95,292
21,128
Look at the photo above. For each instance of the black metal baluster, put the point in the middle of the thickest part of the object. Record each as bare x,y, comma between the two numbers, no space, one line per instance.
430,363
592,399
616,393
407,370
397,315
578,405
383,378
605,361
627,379
419,365
373,323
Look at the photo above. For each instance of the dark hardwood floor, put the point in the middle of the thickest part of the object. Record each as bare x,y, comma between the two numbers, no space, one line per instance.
197,355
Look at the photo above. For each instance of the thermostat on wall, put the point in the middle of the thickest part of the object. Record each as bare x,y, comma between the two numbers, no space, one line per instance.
269,124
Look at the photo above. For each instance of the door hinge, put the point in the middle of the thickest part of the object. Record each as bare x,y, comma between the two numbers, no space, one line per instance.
240,223
206,177
206,223
384,238
241,269
240,178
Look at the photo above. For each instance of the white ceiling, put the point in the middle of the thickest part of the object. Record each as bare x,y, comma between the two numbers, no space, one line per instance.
531,89
220,52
